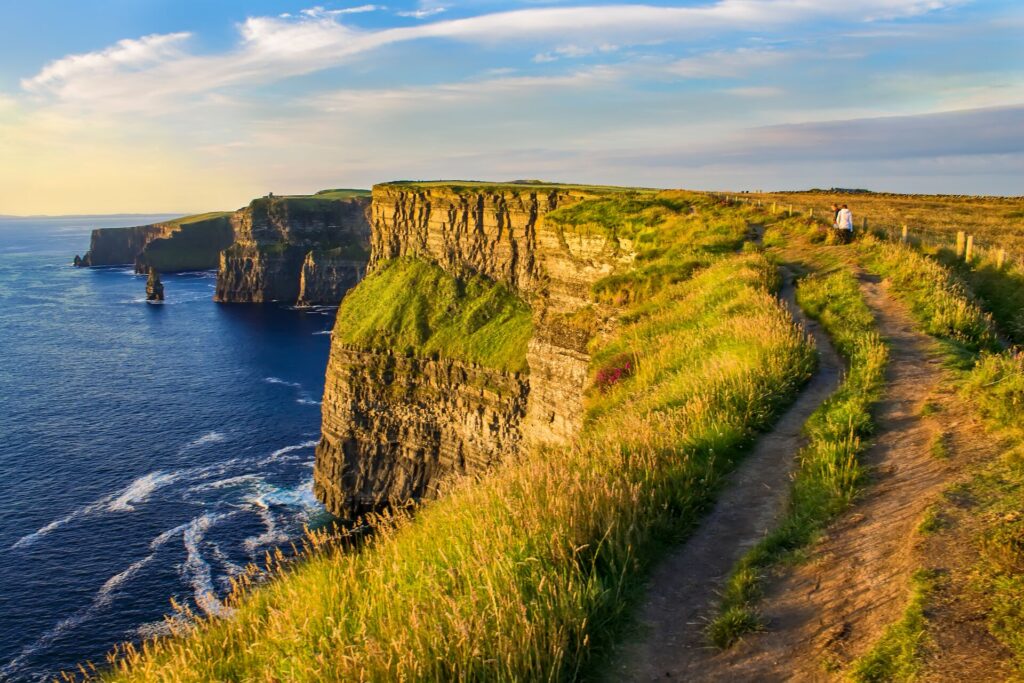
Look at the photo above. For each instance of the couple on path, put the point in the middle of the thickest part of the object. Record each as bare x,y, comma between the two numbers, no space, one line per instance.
842,221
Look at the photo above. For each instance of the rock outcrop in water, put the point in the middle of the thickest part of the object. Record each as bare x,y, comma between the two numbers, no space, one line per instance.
295,249
154,288
394,427
190,243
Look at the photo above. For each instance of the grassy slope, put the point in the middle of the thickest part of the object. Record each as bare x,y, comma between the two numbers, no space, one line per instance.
415,307
527,572
828,473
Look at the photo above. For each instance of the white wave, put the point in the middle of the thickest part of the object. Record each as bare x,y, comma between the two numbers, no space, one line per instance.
167,535
224,483
324,332
103,598
197,570
124,500
307,402
106,593
287,449
140,490
207,438
278,380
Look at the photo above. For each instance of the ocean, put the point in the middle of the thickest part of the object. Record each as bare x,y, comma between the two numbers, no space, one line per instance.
147,452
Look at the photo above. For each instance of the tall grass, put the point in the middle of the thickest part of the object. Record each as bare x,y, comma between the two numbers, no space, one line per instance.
828,470
526,572
937,297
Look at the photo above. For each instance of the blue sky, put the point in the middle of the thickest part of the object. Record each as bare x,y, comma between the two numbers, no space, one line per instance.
124,105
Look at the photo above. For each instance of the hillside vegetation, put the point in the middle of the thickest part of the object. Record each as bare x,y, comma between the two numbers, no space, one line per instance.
414,307
527,573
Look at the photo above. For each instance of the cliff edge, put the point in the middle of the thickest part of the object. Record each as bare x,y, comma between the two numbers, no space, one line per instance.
303,249
458,349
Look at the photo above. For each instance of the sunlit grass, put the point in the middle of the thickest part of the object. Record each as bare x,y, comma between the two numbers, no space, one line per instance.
828,471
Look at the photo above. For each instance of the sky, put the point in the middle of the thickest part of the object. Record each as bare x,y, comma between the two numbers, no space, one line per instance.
188,105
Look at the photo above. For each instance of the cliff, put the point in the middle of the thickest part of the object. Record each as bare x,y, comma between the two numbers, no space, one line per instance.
189,243
402,425
393,430
309,248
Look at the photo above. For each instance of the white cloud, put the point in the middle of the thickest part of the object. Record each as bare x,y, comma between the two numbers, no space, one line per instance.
573,52
446,94
726,63
272,48
422,13
755,91
319,12
125,55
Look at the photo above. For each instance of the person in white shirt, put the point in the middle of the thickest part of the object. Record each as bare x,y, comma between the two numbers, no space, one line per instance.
844,223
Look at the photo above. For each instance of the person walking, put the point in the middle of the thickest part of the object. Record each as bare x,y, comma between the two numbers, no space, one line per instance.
844,223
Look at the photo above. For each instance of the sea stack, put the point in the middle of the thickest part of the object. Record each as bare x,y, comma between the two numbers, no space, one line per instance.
154,288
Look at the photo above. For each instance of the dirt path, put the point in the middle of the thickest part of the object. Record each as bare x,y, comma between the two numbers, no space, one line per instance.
830,610
682,589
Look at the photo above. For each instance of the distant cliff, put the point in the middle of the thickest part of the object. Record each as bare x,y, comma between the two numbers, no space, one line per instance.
189,243
399,418
308,249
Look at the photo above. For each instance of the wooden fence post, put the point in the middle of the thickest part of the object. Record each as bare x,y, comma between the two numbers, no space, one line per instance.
903,235
790,209
1001,259
961,237
969,253
810,213
775,208
864,227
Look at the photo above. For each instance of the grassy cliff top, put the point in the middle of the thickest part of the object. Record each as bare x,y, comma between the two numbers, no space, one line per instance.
199,218
514,186
414,306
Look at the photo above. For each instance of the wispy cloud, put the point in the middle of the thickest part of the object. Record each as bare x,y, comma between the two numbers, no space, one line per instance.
422,13
447,94
274,47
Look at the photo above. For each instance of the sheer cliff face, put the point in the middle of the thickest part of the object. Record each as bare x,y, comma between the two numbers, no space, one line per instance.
281,244
168,247
394,428
399,427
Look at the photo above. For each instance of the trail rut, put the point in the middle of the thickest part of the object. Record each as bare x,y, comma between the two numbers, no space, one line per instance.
682,589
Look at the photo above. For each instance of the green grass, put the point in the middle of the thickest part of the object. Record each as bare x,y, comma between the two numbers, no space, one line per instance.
414,307
342,193
897,654
527,572
1000,289
937,297
200,218
828,470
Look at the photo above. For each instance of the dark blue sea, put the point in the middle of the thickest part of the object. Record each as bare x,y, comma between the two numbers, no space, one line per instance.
147,452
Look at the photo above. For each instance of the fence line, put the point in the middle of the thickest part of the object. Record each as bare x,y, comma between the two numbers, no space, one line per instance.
964,244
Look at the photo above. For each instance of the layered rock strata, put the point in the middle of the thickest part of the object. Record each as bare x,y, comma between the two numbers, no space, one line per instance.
393,429
397,427
326,276
277,237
